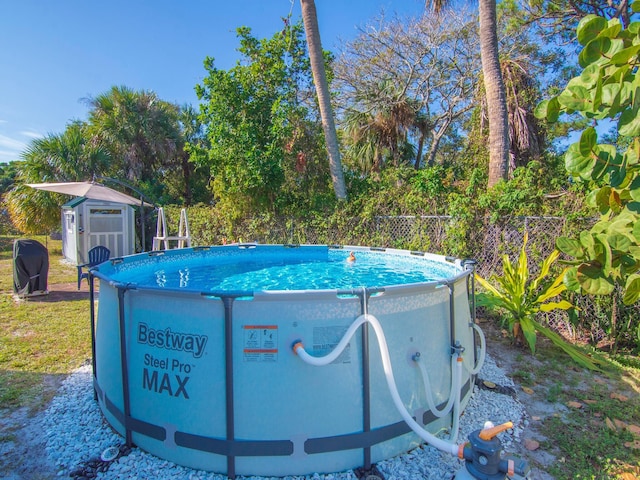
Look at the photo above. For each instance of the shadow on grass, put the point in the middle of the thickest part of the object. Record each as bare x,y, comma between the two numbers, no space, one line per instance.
62,292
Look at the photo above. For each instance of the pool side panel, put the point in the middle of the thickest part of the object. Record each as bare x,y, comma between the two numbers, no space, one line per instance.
176,358
413,322
107,348
179,392
278,396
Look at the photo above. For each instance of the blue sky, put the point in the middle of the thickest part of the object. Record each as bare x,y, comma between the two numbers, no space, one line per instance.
54,54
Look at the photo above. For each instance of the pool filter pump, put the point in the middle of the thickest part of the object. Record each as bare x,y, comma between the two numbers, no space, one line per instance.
483,459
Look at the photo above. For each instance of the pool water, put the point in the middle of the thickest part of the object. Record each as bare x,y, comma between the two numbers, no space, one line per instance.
276,272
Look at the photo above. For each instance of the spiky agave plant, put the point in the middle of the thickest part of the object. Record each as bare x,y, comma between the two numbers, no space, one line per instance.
523,297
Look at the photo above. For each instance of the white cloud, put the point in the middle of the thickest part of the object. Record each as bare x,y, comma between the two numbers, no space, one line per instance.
29,134
11,144
10,149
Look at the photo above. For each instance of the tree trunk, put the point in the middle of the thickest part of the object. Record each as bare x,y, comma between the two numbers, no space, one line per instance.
433,149
186,175
435,142
310,19
416,164
495,94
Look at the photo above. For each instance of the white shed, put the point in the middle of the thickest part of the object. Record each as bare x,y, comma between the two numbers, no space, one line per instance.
87,223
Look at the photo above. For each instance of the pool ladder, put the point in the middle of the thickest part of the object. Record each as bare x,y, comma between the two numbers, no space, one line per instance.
163,238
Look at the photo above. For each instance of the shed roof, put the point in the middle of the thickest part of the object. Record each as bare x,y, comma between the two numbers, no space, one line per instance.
74,202
79,200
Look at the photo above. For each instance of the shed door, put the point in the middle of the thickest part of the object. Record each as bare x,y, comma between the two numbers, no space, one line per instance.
107,227
69,233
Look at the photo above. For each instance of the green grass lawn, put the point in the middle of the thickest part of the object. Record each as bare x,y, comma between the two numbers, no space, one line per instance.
38,337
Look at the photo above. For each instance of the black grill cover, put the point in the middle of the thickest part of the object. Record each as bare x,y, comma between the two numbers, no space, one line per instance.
30,267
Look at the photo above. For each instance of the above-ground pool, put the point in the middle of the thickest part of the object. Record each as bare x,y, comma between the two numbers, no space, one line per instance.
194,359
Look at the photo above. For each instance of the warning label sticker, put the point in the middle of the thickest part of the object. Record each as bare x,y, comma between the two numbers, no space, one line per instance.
260,343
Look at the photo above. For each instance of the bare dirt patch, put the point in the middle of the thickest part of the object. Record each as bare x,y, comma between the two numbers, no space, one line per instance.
22,442
537,406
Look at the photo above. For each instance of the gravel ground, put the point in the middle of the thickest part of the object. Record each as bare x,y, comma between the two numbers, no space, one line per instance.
76,435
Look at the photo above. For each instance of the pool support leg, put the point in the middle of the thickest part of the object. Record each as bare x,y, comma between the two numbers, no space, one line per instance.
366,383
124,367
470,264
92,313
454,344
228,355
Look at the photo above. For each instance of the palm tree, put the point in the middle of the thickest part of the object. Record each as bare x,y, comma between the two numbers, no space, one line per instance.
525,134
69,156
190,184
494,88
139,129
66,157
495,92
32,211
316,57
526,138
381,130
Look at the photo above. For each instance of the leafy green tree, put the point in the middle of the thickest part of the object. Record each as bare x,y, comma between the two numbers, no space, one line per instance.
8,174
558,19
187,181
403,86
608,88
142,134
260,122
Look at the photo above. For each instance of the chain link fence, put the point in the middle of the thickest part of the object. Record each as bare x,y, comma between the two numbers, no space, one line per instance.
600,320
